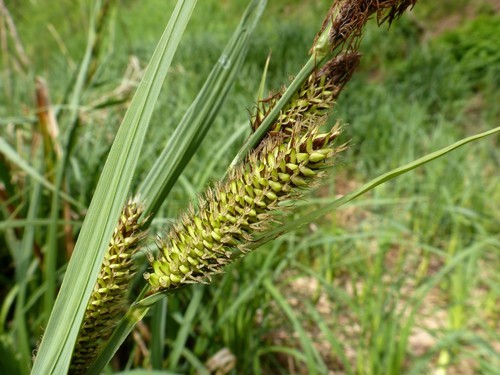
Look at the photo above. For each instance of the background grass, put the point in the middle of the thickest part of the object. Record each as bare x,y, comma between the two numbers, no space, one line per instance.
402,280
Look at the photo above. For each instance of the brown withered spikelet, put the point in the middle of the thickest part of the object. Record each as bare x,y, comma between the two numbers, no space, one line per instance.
109,299
348,18
233,214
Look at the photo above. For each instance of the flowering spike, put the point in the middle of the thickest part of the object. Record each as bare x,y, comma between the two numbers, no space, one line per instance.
235,212
108,301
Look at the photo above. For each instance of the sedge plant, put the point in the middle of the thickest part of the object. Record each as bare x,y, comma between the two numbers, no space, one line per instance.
286,160
288,153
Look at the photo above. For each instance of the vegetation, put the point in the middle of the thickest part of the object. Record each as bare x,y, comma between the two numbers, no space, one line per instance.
401,280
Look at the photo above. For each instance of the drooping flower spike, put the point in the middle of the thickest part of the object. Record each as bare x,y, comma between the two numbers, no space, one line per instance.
235,212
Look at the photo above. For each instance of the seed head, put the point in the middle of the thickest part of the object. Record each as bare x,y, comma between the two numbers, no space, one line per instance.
314,99
108,301
235,212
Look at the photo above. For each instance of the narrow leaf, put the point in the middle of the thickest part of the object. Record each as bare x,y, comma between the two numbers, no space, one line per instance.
193,127
12,155
58,341
371,185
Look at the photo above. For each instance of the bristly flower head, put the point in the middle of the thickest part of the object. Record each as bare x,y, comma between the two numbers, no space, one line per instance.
314,99
235,212
109,300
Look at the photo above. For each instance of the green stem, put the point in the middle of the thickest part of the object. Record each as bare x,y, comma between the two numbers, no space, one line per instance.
22,274
158,326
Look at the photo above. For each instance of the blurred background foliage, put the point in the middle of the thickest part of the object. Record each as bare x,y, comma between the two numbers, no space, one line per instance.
402,280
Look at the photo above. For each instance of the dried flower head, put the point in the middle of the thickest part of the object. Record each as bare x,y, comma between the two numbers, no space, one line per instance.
346,18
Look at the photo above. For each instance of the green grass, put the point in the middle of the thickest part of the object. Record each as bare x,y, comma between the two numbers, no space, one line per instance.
402,279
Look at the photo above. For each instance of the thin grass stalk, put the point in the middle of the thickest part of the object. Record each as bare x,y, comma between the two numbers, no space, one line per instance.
49,130
457,284
25,255
189,317
100,22
52,246
158,326
10,154
21,55
97,21
313,361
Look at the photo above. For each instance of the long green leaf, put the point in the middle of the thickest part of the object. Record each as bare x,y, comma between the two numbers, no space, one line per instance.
58,341
22,260
193,127
158,326
186,326
50,263
36,222
371,185
313,360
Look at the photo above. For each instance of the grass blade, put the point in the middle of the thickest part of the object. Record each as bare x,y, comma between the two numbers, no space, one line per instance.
11,155
57,344
158,326
186,326
313,360
371,185
72,121
200,115
330,337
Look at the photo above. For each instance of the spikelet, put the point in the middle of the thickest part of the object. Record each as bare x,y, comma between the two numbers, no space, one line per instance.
344,23
231,215
314,99
108,301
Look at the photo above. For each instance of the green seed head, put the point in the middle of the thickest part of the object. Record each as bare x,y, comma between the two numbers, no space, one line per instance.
232,214
108,301
235,212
